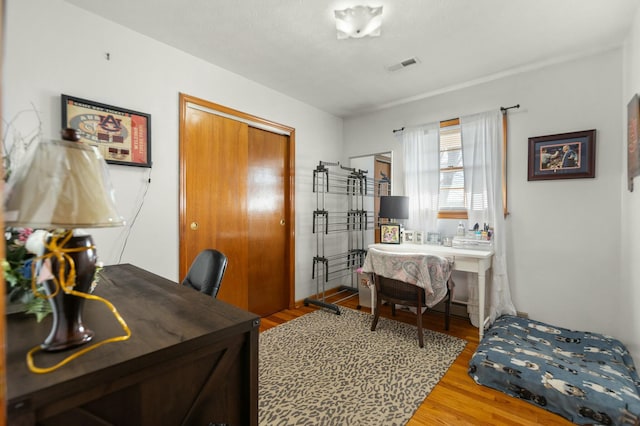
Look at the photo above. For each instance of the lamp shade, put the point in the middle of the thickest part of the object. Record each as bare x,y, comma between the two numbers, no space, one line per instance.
394,207
62,185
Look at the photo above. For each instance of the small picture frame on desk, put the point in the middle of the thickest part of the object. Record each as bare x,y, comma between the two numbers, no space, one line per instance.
419,237
433,238
408,237
390,234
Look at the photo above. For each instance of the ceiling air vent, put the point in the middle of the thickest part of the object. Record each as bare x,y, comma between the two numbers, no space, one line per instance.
403,64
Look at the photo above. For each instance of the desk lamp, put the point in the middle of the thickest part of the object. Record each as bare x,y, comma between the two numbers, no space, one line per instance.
64,185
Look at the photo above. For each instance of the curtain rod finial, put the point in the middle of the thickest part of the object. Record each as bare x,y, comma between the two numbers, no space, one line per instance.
505,109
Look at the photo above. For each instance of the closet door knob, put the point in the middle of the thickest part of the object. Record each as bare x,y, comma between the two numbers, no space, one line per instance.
194,226
282,222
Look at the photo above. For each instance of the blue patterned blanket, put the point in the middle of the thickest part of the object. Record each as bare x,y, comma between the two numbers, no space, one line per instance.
585,377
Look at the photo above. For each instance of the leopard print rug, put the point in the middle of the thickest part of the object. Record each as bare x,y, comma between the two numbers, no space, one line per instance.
328,369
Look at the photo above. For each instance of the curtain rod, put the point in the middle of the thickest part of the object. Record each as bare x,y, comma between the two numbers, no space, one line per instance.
503,109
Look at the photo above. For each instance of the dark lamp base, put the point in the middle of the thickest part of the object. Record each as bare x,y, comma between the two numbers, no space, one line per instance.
69,341
67,329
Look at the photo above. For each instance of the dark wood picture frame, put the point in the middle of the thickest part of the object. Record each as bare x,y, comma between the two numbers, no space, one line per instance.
563,156
390,233
123,136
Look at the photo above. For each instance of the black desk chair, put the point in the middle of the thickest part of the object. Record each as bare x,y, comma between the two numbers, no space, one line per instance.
402,293
206,272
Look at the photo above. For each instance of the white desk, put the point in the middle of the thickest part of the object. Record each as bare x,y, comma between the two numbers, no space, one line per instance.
477,261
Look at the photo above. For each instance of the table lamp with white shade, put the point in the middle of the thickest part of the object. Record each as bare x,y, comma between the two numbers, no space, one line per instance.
64,185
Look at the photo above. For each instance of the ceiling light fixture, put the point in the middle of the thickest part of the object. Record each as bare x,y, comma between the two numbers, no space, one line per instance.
358,22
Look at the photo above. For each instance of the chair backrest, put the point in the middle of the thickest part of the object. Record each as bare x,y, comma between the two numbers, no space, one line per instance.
399,292
206,272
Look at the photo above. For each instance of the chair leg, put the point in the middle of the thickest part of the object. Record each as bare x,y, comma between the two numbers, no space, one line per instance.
419,296
376,313
393,309
420,333
447,307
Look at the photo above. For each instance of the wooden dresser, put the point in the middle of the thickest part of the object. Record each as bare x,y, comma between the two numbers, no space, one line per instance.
191,360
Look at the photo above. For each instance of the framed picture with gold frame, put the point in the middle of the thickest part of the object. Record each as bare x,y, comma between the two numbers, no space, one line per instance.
390,233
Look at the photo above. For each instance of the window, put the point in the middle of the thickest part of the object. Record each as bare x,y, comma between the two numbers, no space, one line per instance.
452,203
437,170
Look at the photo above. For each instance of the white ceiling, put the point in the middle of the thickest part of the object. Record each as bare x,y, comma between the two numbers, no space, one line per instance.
291,45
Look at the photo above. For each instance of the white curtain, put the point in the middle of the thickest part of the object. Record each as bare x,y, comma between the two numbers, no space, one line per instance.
421,159
482,157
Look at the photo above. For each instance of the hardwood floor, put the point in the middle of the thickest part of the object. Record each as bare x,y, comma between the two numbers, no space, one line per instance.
456,399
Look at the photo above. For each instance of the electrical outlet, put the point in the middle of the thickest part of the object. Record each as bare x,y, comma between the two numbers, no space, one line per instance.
522,314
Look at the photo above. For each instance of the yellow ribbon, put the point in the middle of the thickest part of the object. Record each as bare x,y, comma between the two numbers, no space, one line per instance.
56,249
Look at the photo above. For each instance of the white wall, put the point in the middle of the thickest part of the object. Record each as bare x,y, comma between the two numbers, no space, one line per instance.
52,47
629,297
564,235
